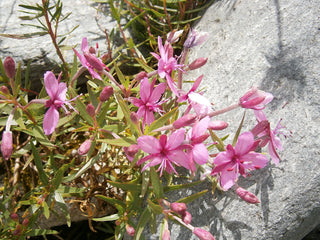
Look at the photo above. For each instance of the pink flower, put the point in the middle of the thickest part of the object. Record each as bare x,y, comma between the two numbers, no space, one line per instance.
202,234
200,104
238,160
255,99
267,136
165,151
247,196
6,144
57,92
198,153
149,102
89,59
195,38
166,63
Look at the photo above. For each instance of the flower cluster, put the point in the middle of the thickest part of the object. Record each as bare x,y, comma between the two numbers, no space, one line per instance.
152,120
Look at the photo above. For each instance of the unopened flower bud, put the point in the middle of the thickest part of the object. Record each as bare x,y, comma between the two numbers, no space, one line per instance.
217,125
166,235
247,196
186,120
141,75
195,38
14,216
134,118
95,62
178,208
25,222
186,217
106,93
6,144
4,89
9,67
130,230
85,147
131,150
174,36
91,110
17,231
255,99
92,50
202,234
198,63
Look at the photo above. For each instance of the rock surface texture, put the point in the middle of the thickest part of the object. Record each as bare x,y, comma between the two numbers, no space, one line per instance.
273,45
40,50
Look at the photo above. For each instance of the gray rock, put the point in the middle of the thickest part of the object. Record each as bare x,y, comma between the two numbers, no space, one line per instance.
273,45
40,50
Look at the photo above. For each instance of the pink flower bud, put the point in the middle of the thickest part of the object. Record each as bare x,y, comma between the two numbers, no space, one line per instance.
202,234
186,217
4,89
17,231
178,208
247,196
131,151
255,99
85,147
9,67
95,62
92,50
14,216
106,93
134,118
6,144
91,110
166,235
25,222
198,63
217,125
141,75
186,120
130,230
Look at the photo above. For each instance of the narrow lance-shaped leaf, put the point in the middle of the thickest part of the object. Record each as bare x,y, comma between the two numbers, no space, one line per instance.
37,160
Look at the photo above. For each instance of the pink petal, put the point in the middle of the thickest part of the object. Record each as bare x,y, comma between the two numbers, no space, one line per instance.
62,91
200,127
179,158
135,101
175,139
51,84
228,178
148,117
149,144
157,92
200,153
171,84
50,120
273,153
155,161
196,84
244,143
84,45
254,160
145,90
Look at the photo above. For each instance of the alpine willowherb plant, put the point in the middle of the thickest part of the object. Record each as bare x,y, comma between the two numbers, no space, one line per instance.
126,140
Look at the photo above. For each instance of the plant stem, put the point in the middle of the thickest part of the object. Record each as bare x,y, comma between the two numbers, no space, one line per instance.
53,37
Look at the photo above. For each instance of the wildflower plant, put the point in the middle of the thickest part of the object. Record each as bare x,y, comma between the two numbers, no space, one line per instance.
115,151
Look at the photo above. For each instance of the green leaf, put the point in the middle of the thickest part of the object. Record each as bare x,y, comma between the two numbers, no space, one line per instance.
160,122
37,8
156,208
41,137
109,218
144,218
67,191
145,182
39,232
193,197
63,207
181,186
120,142
126,186
120,75
235,139
58,176
156,184
17,79
215,138
126,111
46,211
119,205
37,160
2,71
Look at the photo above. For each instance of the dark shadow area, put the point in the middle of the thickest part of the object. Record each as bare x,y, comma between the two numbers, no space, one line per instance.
81,231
